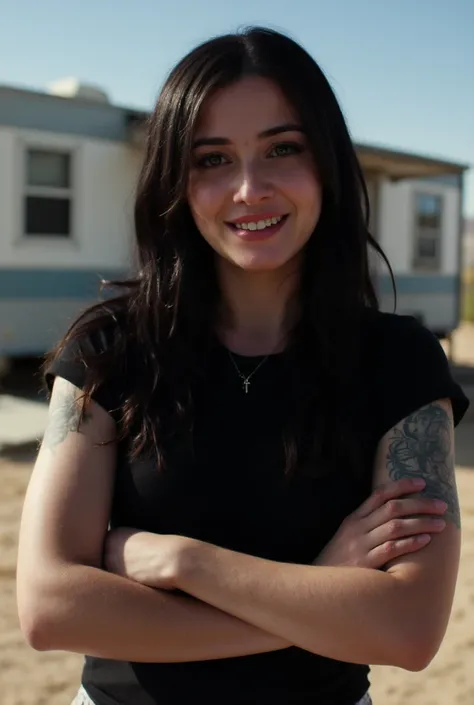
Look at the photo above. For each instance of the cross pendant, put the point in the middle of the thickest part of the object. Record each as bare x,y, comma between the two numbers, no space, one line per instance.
246,385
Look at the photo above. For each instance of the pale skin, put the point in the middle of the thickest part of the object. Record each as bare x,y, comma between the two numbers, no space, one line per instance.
339,607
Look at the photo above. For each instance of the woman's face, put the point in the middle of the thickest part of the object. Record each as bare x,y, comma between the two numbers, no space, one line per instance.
253,186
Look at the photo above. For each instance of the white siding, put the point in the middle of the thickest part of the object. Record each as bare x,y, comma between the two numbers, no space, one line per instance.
32,326
104,175
396,223
8,193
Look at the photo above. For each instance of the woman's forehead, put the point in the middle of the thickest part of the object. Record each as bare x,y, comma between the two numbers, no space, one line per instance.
248,107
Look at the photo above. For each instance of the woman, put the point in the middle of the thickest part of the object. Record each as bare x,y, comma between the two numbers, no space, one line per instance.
255,496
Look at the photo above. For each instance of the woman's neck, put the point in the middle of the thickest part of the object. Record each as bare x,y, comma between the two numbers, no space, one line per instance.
257,308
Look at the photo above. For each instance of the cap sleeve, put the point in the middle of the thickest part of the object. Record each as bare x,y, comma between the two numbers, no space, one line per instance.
71,364
414,371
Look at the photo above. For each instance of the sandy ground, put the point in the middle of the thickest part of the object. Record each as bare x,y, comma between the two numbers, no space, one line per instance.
30,678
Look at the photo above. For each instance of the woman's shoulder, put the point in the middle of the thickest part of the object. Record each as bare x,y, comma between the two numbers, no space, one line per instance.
398,339
381,324
97,331
406,366
395,344
92,351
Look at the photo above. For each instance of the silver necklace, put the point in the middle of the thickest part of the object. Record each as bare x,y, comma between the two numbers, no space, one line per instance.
246,378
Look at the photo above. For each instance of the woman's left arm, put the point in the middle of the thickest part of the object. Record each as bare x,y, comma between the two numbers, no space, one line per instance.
422,445
394,617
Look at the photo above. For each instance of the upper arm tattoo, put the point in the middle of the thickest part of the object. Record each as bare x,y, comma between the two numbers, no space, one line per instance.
421,446
64,417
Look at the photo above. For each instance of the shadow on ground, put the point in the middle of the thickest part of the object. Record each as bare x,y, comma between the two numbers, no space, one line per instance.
25,453
24,379
465,444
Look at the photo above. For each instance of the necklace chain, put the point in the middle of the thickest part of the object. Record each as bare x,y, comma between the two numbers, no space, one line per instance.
246,378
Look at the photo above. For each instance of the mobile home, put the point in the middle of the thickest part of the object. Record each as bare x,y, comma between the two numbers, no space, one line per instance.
416,213
67,171
68,166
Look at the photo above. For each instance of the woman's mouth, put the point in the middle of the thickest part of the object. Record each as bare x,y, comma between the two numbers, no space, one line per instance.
259,228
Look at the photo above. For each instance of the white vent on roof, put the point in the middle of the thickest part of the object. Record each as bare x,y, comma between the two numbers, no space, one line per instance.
73,88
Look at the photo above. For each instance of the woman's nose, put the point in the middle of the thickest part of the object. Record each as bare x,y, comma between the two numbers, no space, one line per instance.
253,186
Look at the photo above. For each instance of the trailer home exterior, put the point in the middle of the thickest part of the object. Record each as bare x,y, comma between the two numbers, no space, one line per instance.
68,166
416,206
67,173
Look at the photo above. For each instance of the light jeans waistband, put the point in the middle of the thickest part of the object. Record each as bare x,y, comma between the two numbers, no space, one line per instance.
82,698
366,700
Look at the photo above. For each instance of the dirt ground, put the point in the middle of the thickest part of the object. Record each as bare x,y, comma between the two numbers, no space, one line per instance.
31,678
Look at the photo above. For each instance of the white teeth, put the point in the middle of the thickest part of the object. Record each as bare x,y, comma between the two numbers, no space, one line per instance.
259,224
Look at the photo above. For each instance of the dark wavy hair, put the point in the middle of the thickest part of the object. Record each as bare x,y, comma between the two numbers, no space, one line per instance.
168,310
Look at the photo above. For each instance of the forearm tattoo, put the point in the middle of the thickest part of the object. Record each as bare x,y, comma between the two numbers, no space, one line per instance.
421,446
64,417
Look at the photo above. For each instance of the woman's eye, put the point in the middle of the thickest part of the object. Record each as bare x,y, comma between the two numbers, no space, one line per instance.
211,160
283,150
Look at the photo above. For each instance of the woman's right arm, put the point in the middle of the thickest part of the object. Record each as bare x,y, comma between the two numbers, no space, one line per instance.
66,601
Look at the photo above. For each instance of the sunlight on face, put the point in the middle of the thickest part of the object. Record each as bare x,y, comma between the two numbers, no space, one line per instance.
253,188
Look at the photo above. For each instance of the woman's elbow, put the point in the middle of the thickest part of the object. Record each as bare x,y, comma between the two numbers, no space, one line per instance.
36,633
39,612
36,625
416,658
417,649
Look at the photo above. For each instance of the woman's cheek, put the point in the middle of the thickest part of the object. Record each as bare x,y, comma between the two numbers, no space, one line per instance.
207,196
302,186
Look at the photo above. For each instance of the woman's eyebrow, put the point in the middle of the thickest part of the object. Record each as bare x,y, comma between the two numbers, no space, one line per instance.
270,132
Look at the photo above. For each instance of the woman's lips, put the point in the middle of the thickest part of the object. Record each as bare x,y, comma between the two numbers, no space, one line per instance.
255,235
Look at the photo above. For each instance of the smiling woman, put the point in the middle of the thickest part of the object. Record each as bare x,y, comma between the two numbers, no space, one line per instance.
251,167
264,459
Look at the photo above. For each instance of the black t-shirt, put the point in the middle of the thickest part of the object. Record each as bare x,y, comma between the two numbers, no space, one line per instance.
229,492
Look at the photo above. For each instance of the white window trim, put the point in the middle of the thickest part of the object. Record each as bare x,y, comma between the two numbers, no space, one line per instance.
428,265
31,140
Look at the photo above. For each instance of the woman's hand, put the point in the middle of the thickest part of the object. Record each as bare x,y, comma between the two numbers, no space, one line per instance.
387,525
149,559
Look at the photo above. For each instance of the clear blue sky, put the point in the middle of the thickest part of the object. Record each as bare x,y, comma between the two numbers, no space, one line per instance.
403,70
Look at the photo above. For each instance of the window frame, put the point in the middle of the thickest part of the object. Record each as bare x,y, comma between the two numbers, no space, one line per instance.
420,263
62,144
55,192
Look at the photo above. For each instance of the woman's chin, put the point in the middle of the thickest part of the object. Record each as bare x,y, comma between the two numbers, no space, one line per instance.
258,262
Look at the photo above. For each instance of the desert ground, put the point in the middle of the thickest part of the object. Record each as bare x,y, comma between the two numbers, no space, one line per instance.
31,678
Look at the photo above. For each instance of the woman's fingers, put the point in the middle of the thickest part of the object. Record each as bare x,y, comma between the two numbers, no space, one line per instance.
389,491
388,551
403,528
406,506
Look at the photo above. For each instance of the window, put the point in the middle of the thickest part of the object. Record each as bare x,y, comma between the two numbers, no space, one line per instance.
428,231
48,194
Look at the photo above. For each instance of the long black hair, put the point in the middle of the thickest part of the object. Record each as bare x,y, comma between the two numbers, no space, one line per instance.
168,310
